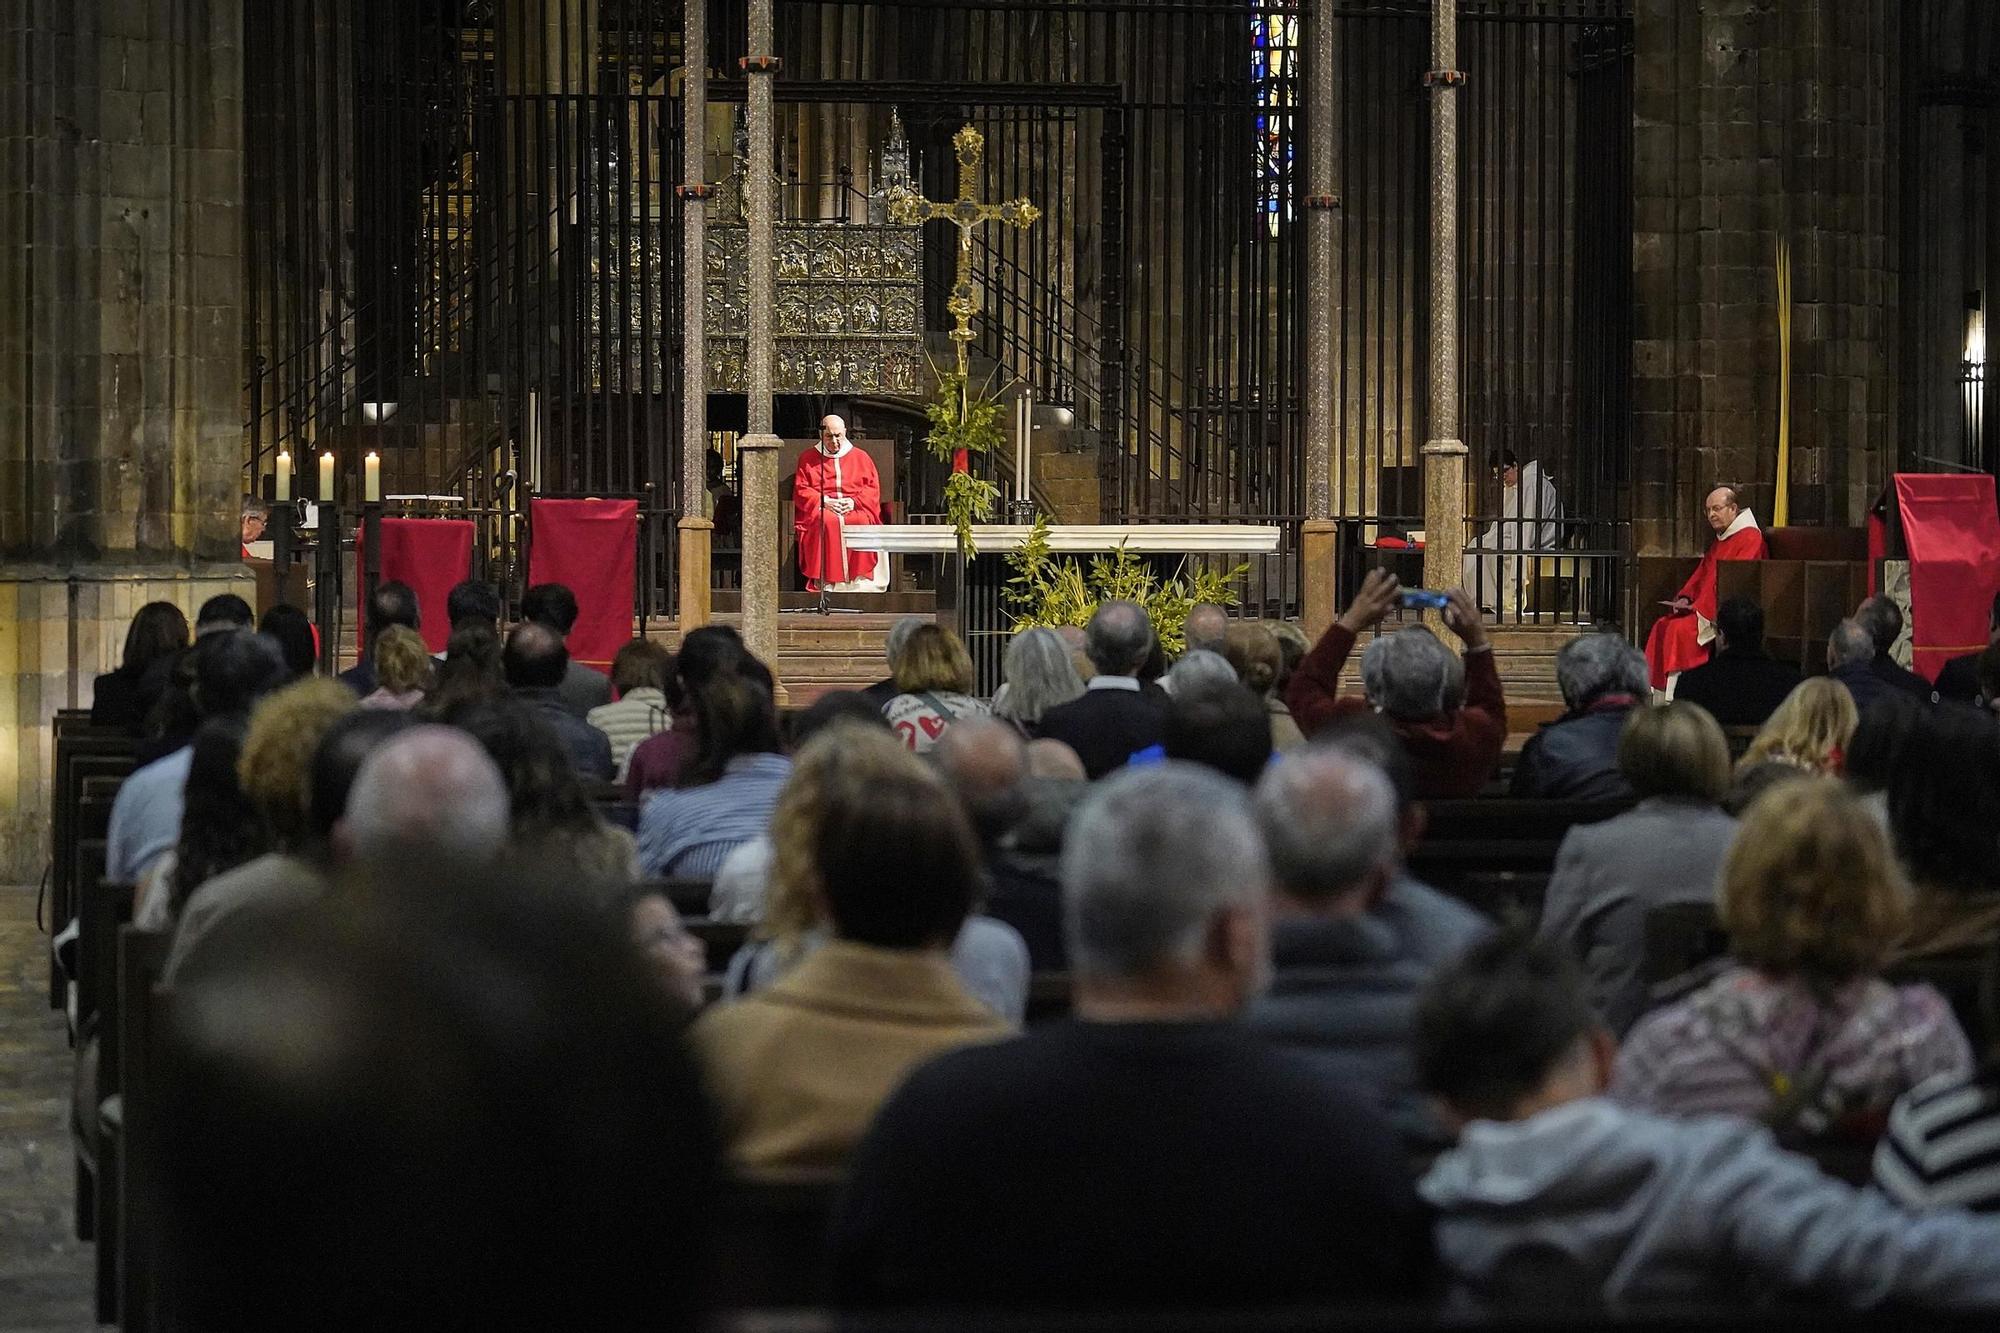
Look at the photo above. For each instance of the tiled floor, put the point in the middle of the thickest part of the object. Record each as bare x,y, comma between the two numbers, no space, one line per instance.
45,1272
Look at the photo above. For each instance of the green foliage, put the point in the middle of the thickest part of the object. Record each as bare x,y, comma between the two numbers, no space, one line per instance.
968,500
961,420
1044,590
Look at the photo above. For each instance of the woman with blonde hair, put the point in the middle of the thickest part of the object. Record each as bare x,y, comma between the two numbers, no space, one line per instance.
1808,735
1258,659
934,680
404,672
1800,1030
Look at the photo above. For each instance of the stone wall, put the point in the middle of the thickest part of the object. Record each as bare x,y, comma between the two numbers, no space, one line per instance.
1756,119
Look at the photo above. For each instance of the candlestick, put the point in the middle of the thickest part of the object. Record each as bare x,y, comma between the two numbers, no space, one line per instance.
284,476
371,478
326,478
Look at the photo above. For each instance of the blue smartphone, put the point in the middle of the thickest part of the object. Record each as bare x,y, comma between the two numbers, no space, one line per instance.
1424,598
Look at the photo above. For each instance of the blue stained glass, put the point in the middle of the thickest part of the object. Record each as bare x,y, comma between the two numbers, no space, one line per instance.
1273,53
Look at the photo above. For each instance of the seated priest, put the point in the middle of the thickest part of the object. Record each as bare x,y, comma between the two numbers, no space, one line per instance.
1529,507
836,484
1680,638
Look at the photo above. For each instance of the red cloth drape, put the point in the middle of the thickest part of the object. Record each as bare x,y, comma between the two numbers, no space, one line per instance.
432,555
591,547
1951,531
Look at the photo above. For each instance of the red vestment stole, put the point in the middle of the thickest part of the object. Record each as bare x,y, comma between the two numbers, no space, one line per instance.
1679,640
823,553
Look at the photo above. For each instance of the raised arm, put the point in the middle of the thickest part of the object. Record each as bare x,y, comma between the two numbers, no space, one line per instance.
1314,694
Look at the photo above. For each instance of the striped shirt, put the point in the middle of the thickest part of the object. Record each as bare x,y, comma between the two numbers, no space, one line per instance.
688,832
641,713
1943,1146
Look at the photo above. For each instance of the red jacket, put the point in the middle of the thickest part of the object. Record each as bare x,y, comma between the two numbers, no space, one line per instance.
1454,754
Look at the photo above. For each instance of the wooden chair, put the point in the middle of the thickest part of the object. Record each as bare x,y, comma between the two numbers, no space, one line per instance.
771,1247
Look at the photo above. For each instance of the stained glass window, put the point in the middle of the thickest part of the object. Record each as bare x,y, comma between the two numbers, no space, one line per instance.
1274,61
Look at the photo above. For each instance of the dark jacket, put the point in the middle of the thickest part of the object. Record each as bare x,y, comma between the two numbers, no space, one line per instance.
1343,996
1740,687
1897,676
881,692
1959,679
360,677
583,689
117,701
1107,726
1861,682
1453,754
1023,890
1575,757
588,748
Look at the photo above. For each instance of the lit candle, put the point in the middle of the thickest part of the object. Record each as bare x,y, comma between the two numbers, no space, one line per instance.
371,478
326,478
284,476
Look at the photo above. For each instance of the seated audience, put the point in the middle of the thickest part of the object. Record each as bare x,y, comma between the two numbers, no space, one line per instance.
986,764
1944,816
1875,754
1224,727
677,958
1669,849
1740,686
446,1105
175,715
1800,1030
1153,1154
1253,651
1198,671
798,1068
1206,628
1293,645
556,830
393,603
221,613
474,602
554,606
1958,679
470,673
301,800
935,677
1883,620
125,697
430,797
1807,737
730,789
1432,927
217,832
1558,1198
882,691
1115,717
232,670
404,671
639,678
1040,675
289,628
534,661
1575,758
1343,989
1408,678
662,760
1850,659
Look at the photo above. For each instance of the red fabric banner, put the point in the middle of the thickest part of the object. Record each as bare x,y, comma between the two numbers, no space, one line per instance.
432,555
591,547
1952,533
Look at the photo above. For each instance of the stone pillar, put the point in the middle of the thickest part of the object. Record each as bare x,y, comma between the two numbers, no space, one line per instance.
121,351
1444,452
758,449
1750,121
1318,537
697,530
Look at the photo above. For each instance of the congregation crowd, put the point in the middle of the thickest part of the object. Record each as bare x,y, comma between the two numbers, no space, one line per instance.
441,1035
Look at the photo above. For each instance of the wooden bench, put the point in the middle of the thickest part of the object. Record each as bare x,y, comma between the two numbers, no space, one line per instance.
82,754
126,1229
1496,853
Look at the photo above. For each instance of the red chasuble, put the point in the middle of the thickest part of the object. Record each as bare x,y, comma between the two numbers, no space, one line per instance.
1680,639
823,553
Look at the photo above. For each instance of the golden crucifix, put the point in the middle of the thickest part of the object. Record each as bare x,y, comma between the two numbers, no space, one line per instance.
965,212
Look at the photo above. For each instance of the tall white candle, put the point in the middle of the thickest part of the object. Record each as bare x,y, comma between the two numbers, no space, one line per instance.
326,478
371,477
284,476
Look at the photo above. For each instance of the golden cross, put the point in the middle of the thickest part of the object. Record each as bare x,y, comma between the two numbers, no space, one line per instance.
965,212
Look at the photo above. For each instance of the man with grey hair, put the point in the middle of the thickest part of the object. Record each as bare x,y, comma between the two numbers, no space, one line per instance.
1850,659
1117,715
431,793
1575,757
1153,1154
1207,626
1344,989
882,691
1409,677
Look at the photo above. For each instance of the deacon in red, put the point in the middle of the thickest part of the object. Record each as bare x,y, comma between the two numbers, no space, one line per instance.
1680,638
836,485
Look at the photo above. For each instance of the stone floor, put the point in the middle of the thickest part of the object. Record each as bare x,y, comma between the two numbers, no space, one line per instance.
45,1272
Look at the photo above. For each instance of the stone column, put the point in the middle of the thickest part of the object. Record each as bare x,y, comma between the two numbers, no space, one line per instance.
121,351
1751,120
758,449
1444,452
1317,541
697,529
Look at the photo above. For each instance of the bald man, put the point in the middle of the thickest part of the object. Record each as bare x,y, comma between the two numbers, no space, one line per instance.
1680,638
432,792
836,485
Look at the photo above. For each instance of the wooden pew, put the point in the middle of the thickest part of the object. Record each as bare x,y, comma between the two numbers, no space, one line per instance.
125,1230
81,754
1496,853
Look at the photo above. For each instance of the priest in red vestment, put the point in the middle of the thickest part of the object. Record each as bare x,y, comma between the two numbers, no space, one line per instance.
1680,638
836,484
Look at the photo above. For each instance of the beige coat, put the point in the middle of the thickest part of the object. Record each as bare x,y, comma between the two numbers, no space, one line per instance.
798,1069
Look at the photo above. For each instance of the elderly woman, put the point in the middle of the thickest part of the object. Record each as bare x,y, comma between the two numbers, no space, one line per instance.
1258,659
1040,675
1808,736
1669,849
1575,757
934,675
1801,1032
